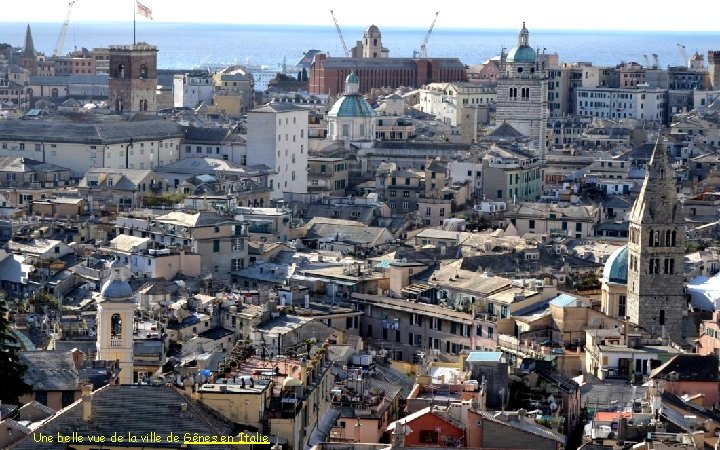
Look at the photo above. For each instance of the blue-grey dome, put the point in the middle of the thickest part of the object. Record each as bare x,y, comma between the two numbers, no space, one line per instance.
616,267
522,54
352,78
353,105
116,289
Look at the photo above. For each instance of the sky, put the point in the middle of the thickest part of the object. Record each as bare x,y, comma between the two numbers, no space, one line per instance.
474,14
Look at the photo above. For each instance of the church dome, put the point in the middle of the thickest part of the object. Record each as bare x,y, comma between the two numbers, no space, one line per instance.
521,55
353,105
616,267
352,78
116,288
291,382
372,29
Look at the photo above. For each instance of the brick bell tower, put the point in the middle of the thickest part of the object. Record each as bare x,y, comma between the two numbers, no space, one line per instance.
133,78
656,253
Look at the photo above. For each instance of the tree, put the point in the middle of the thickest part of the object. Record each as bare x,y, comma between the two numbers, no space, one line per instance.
299,76
304,74
11,371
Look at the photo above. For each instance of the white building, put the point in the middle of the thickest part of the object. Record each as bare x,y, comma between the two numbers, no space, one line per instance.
446,100
277,138
80,145
191,89
643,103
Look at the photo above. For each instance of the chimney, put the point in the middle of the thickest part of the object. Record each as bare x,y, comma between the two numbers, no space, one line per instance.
188,386
622,429
77,356
86,390
183,407
303,372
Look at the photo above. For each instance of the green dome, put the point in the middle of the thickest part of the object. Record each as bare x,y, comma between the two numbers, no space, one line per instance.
352,105
352,78
522,54
616,267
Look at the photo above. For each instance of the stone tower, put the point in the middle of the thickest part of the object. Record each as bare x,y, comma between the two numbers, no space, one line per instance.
522,93
714,68
656,250
115,312
28,57
133,78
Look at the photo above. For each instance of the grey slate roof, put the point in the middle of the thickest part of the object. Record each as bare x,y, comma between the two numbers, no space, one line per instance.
278,108
690,367
50,371
135,409
87,133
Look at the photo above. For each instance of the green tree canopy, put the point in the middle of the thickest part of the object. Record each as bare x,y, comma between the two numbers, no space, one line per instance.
12,384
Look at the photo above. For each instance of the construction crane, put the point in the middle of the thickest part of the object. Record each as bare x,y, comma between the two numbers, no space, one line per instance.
656,61
340,35
646,60
423,47
63,31
683,54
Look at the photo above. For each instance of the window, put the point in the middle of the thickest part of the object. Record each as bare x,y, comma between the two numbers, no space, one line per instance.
417,320
216,246
406,194
490,332
662,317
41,397
478,330
429,436
406,205
68,397
436,323
236,264
531,224
238,245
453,327
622,304
504,311
578,226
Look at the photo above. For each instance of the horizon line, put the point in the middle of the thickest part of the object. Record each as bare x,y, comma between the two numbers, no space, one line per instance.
411,27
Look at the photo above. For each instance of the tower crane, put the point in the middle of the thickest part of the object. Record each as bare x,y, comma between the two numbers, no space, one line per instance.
683,54
423,46
63,31
340,35
656,61
646,60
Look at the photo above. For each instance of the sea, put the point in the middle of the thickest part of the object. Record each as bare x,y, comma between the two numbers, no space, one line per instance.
195,46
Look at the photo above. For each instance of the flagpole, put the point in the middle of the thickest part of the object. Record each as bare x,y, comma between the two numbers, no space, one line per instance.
134,22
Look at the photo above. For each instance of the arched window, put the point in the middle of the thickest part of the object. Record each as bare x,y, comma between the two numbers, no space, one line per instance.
656,240
119,105
143,72
668,238
650,237
116,326
54,92
121,71
673,236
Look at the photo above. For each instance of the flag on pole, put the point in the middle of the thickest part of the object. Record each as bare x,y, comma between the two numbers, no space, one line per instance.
144,10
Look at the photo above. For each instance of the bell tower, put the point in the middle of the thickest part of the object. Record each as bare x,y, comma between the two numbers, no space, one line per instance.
115,312
133,78
656,251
